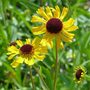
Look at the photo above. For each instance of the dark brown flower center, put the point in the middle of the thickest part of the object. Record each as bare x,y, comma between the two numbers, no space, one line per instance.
54,25
26,49
79,73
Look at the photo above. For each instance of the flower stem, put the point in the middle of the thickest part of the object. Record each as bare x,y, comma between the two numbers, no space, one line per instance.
33,86
41,78
56,64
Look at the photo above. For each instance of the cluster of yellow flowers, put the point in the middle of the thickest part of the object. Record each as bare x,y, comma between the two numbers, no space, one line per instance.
52,25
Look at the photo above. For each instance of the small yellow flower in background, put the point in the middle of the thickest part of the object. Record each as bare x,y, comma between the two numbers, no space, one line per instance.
28,52
52,24
79,74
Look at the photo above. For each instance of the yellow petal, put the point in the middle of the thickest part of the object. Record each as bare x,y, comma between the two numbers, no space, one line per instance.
30,62
48,12
12,49
43,42
39,30
66,39
49,37
19,43
19,60
68,23
42,13
28,41
72,28
44,50
64,13
59,42
39,57
56,12
40,50
14,64
11,56
38,19
61,45
49,43
67,34
36,41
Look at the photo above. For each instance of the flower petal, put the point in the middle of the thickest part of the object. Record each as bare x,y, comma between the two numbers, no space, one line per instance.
68,23
39,57
56,12
64,13
72,28
30,62
49,37
19,43
14,64
12,49
38,19
65,39
11,56
40,50
48,12
67,34
36,41
28,41
59,42
39,30
42,13
19,59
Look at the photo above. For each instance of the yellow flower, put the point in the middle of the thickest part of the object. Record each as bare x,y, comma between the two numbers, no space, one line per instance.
52,24
28,52
79,74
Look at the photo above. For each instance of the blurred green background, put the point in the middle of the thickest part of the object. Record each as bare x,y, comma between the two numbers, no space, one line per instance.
15,23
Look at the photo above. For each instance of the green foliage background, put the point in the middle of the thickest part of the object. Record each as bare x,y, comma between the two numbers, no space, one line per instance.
15,23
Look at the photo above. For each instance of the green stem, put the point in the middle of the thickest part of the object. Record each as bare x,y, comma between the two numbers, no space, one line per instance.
56,64
41,77
33,86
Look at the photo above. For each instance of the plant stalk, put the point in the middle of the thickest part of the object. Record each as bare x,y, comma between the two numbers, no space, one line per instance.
33,86
56,64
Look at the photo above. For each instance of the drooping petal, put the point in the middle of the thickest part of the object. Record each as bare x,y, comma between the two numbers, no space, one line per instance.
39,57
15,64
67,34
72,28
59,42
42,13
30,62
64,13
38,19
19,59
68,23
39,30
49,37
65,39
